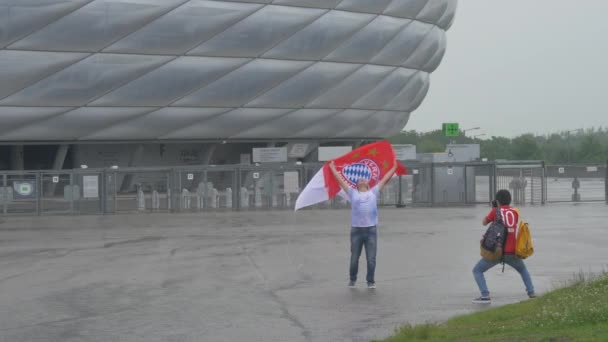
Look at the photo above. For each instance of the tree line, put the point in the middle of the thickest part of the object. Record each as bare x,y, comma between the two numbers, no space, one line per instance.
573,147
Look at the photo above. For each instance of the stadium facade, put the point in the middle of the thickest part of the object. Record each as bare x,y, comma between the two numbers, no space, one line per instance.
145,82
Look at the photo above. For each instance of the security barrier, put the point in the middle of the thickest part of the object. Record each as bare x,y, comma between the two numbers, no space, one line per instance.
277,186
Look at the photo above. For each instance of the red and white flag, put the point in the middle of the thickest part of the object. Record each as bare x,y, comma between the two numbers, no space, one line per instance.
371,162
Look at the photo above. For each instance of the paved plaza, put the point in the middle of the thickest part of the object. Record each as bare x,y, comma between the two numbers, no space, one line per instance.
265,276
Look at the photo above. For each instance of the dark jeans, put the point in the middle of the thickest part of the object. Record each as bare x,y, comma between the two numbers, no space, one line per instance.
359,237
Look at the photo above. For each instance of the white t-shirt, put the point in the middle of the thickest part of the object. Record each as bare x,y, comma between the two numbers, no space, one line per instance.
364,207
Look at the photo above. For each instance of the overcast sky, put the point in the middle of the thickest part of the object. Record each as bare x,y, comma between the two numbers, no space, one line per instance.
521,66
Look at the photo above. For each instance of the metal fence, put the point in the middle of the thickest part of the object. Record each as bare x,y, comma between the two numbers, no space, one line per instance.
577,183
276,186
525,180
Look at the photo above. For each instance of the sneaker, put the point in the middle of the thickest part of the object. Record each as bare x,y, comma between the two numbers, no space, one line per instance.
351,284
532,295
371,286
482,300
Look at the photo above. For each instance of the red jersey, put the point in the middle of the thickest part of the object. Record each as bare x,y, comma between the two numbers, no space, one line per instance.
510,219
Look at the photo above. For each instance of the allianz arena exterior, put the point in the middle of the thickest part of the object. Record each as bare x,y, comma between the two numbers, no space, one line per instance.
245,70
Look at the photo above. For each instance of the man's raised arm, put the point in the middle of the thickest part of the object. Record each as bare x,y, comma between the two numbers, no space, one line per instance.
334,171
388,176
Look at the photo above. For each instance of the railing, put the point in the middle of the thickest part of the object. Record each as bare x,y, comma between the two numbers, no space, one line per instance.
276,186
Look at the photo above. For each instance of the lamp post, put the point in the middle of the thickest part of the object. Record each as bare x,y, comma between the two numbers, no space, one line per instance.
568,140
470,129
479,135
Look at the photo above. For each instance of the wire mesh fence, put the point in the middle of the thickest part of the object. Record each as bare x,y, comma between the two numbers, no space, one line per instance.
277,186
576,183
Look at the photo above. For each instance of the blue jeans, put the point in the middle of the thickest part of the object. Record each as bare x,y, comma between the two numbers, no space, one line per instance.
511,260
359,237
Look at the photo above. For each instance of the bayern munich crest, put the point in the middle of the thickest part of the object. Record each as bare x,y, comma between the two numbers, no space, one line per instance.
366,169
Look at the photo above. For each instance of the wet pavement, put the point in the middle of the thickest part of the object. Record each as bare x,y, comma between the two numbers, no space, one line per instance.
265,276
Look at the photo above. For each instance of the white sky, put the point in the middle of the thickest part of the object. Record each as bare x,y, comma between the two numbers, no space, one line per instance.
521,66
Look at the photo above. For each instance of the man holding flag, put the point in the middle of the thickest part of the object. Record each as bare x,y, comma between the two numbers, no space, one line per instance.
360,174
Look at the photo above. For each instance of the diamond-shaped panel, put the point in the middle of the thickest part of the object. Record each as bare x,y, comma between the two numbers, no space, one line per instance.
18,18
365,6
171,81
256,69
155,124
19,69
240,86
305,86
335,27
17,117
85,80
181,30
74,124
259,32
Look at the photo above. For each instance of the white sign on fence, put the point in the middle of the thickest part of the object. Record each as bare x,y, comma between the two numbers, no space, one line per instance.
561,170
291,181
415,171
190,176
405,151
90,186
256,175
450,171
591,168
55,179
332,152
270,155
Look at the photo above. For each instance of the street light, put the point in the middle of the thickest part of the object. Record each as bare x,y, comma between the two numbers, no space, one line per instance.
479,135
568,140
470,129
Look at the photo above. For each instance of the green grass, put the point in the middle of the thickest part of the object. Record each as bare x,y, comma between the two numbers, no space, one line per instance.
578,312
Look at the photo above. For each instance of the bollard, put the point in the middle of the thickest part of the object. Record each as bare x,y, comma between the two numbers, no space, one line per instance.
244,197
214,194
6,194
275,200
141,200
229,198
185,199
169,199
200,201
201,191
258,198
155,200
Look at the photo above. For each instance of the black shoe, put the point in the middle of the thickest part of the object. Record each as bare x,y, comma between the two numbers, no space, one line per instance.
482,300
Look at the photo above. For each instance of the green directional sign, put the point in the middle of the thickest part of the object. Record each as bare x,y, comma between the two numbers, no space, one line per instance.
451,129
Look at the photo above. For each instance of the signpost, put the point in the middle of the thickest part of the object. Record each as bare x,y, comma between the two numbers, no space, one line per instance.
451,129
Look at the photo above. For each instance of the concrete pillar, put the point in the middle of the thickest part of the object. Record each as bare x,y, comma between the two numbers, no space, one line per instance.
155,200
60,156
17,159
208,152
62,152
185,199
214,194
141,200
229,198
244,197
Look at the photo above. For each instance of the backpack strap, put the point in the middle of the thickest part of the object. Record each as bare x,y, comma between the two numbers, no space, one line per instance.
497,216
